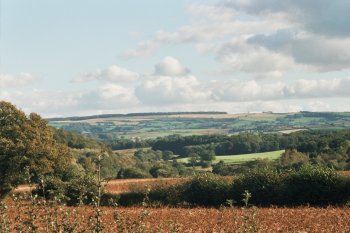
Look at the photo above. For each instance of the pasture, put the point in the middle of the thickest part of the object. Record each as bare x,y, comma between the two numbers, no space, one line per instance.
239,159
152,126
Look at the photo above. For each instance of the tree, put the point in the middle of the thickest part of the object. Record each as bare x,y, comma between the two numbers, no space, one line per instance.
193,159
27,148
292,158
207,155
167,155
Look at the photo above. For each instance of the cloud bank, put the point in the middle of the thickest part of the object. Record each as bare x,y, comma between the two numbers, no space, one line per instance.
172,87
10,80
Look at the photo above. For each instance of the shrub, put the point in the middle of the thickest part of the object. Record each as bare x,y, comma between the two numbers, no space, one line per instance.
131,199
315,185
132,173
52,187
292,159
109,199
205,164
206,190
167,195
82,190
263,184
163,170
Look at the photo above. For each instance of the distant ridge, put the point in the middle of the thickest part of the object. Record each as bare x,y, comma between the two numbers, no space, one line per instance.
76,118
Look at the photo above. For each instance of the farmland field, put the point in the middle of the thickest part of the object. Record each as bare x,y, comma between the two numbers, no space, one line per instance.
152,126
238,159
128,185
148,219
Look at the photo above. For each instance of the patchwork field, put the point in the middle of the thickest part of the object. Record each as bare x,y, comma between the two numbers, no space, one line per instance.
238,159
152,126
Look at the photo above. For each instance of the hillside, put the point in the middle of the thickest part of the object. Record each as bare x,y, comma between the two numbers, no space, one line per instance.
152,125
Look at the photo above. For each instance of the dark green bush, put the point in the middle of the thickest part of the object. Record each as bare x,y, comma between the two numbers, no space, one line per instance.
167,195
109,199
52,187
132,173
82,190
309,185
315,185
206,190
263,184
131,199
312,185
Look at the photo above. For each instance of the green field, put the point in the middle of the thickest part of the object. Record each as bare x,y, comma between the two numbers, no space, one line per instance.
238,159
146,127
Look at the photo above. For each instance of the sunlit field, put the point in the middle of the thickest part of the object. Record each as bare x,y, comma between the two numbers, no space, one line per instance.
238,159
147,219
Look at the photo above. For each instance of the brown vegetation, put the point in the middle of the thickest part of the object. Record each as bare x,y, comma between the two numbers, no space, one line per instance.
128,185
142,219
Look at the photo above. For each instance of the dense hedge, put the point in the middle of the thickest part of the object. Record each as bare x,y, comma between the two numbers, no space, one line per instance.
309,185
263,184
312,185
82,189
206,190
316,186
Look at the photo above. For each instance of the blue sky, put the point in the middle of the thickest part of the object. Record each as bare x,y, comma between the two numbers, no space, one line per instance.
61,58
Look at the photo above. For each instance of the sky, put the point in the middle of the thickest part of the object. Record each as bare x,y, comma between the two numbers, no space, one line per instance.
85,57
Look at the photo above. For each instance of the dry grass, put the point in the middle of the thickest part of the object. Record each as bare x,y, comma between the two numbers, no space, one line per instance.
126,152
303,219
24,188
289,131
128,185
345,173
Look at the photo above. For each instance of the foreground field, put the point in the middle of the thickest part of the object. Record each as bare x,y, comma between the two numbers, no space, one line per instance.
238,159
84,219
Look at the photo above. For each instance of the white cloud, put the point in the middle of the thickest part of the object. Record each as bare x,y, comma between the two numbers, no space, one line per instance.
165,93
323,54
144,49
112,74
249,35
171,83
209,23
159,90
301,89
170,66
242,56
9,80
324,17
108,96
43,101
242,91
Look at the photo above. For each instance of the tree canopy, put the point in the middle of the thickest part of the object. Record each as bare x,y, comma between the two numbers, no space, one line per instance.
27,148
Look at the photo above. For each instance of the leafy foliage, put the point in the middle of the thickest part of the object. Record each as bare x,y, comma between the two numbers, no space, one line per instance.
206,190
263,184
315,185
27,148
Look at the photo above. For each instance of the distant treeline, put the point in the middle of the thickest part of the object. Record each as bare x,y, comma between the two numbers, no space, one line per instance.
130,115
327,115
312,142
